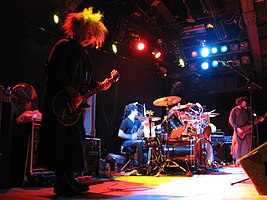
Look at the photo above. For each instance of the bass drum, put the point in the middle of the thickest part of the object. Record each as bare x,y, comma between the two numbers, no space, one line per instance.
179,150
203,152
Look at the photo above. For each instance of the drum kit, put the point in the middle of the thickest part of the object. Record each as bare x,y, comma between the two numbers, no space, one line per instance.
183,135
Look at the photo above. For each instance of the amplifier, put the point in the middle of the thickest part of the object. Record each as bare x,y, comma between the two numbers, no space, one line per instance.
222,147
93,152
217,138
228,139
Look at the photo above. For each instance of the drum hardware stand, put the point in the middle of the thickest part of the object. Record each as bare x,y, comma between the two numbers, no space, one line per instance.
201,165
168,160
246,179
202,151
152,157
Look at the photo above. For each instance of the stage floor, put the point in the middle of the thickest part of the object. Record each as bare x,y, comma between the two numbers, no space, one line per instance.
222,184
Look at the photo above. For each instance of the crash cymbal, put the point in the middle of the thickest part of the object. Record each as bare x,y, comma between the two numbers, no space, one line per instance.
180,107
209,114
150,118
167,101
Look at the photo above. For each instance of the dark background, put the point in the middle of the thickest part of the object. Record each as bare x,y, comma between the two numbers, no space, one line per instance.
28,34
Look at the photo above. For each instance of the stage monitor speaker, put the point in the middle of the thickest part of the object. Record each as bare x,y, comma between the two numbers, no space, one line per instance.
255,165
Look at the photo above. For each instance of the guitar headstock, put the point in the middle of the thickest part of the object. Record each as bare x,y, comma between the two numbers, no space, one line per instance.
115,75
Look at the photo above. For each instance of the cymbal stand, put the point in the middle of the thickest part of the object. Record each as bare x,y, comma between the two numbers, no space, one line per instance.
168,160
154,155
202,156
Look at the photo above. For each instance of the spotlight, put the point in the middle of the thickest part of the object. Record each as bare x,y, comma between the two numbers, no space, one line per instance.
181,62
194,54
157,54
56,18
114,48
244,46
214,50
209,25
205,65
140,46
234,47
205,52
224,48
237,63
214,63
245,60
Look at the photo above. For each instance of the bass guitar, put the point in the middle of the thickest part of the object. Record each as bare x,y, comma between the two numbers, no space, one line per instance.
63,107
247,129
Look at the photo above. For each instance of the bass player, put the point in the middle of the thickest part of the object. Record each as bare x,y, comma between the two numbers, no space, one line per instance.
240,120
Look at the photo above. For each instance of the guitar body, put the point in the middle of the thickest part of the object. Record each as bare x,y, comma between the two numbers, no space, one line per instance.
63,107
245,130
65,112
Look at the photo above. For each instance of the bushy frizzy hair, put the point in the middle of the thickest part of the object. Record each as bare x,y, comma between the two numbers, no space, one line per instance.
86,22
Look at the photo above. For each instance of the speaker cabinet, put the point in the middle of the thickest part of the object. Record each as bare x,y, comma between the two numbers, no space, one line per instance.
255,165
222,153
92,151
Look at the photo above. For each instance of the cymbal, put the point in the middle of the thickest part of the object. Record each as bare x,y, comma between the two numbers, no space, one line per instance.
180,107
186,117
209,114
167,101
150,118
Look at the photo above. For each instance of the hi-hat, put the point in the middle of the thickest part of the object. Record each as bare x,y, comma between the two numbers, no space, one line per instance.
167,101
150,118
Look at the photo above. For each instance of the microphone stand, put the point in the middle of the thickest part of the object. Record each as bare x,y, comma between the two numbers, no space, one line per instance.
250,85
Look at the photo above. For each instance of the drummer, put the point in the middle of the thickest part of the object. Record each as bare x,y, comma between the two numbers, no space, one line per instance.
131,131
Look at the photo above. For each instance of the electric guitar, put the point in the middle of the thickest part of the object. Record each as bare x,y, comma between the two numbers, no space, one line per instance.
63,107
247,129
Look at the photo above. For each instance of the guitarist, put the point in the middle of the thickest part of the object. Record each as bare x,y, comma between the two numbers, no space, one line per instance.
68,67
239,118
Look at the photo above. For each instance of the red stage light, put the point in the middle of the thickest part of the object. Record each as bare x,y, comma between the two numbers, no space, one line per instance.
140,46
158,54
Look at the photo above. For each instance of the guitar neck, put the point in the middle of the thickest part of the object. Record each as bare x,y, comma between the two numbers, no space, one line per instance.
94,91
114,78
